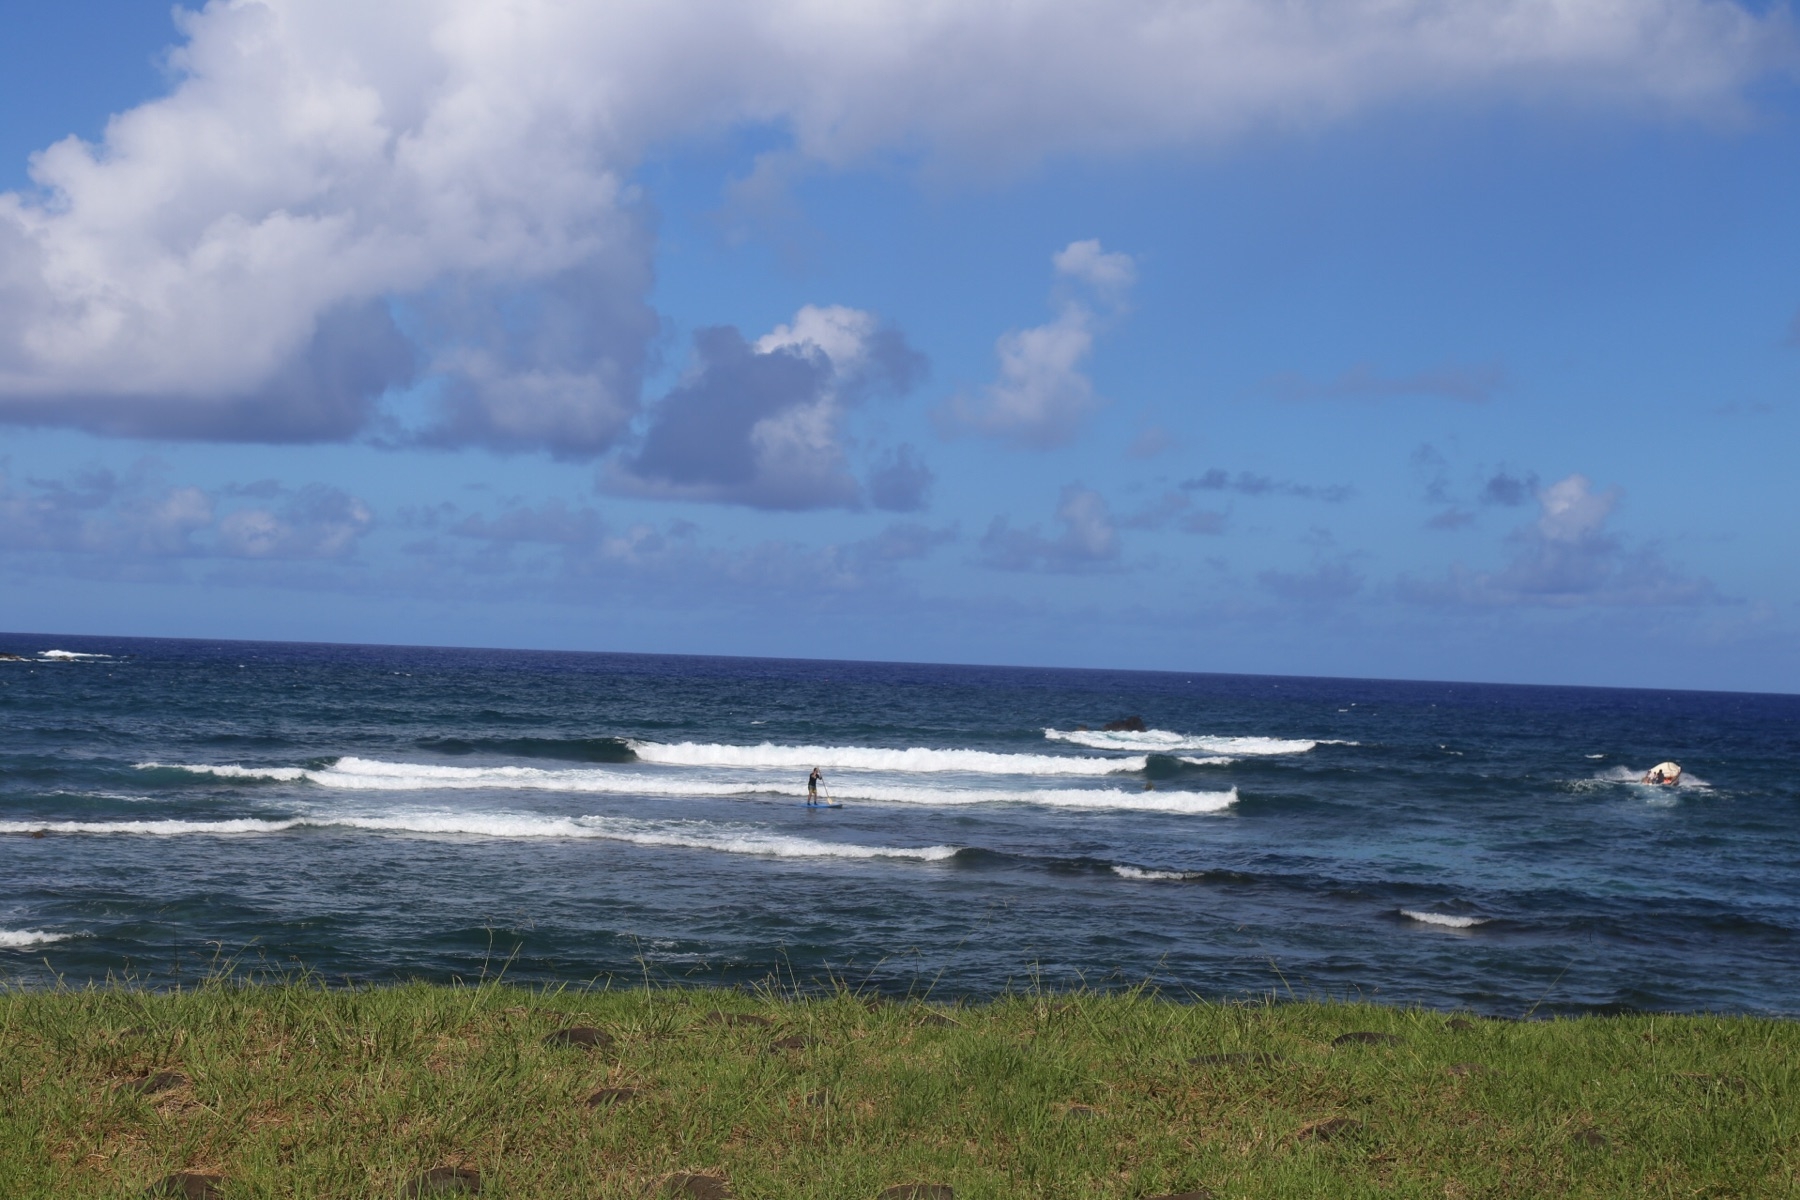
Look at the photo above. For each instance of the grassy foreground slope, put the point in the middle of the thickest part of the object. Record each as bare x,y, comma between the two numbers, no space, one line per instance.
305,1092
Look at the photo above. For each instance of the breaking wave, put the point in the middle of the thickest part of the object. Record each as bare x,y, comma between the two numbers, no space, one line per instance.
19,939
230,771
1444,919
868,758
361,774
692,835
1162,741
68,655
1629,775
1125,872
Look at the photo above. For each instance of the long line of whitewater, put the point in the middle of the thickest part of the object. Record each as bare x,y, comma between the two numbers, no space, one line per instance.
371,775
693,835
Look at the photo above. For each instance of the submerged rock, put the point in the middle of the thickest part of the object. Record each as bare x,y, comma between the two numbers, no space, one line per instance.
1131,724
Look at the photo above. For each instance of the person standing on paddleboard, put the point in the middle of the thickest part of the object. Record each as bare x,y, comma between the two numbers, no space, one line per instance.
812,787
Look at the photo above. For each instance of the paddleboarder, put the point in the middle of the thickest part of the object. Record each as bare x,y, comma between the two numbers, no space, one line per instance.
812,788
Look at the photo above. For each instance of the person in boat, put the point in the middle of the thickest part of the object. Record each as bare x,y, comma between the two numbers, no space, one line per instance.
812,787
1667,774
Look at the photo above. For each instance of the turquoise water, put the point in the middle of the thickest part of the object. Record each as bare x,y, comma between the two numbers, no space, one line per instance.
379,813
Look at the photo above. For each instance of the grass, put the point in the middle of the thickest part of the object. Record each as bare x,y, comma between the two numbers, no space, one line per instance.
303,1091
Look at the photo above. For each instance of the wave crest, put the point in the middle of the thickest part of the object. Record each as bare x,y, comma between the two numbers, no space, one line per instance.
1444,919
917,759
1163,741
19,939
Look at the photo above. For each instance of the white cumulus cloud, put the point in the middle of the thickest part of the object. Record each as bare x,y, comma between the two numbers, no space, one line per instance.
338,198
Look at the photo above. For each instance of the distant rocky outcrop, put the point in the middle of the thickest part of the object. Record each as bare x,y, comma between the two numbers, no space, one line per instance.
5,657
1131,724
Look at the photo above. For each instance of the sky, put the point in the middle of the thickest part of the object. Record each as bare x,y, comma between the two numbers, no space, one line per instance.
1378,338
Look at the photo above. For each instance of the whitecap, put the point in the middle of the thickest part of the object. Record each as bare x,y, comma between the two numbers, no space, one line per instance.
1444,919
229,770
1162,741
1688,782
19,939
875,758
1214,760
697,835
1126,872
362,774
68,655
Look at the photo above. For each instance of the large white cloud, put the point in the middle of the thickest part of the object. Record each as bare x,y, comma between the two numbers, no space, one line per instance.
342,196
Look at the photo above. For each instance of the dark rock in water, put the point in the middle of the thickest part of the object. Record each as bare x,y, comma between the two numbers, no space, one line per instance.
38,833
1364,1038
4,657
918,1191
161,1081
1325,1131
189,1185
585,1036
610,1096
446,1181
1131,724
725,1018
1458,1024
794,1041
693,1187
1468,1069
1591,1138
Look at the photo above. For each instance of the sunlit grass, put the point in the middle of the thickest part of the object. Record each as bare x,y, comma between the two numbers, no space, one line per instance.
303,1091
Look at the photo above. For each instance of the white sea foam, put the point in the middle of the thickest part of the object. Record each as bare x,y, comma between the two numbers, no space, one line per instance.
19,939
1162,741
698,835
230,770
1444,919
1125,872
872,758
168,828
1629,775
362,774
68,655
1213,760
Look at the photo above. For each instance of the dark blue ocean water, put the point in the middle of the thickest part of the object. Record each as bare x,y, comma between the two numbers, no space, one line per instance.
376,813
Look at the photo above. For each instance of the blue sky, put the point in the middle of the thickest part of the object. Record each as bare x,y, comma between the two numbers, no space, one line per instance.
1457,340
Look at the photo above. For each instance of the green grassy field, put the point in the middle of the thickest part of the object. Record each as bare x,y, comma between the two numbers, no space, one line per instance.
303,1091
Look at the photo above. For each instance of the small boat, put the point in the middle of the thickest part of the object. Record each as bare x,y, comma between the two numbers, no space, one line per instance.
1667,774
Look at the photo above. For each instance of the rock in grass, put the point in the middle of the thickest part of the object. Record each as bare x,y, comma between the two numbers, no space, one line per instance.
919,1191
1086,1112
1591,1138
609,1096
1365,1038
1459,1024
446,1181
160,1081
1330,1130
189,1185
794,1041
817,1099
585,1036
692,1187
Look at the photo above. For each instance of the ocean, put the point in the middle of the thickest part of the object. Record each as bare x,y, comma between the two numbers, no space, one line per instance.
174,809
